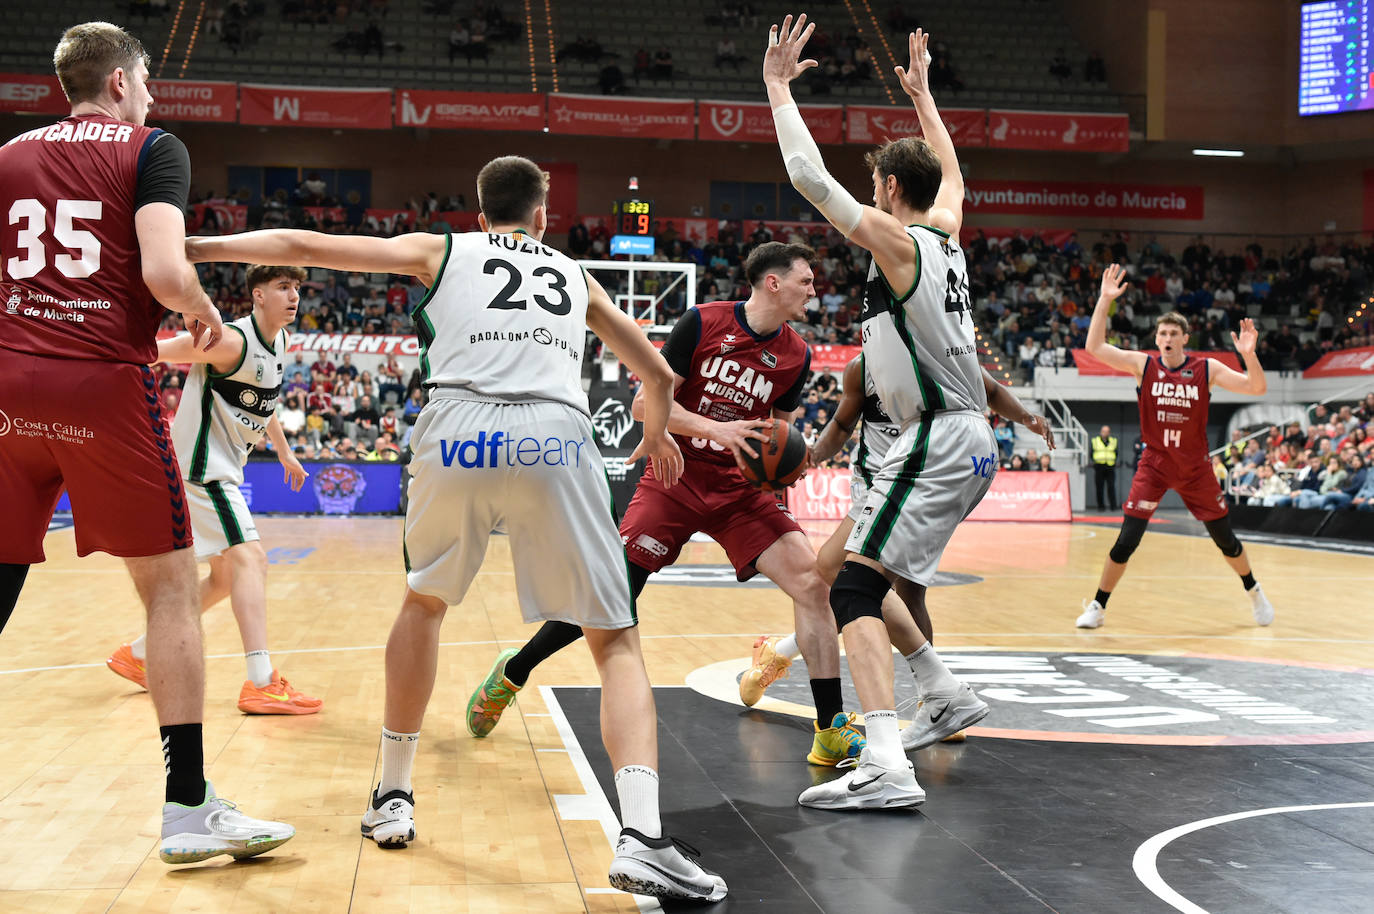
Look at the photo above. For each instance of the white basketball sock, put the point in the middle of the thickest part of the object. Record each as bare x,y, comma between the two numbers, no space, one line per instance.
259,668
637,786
884,739
398,756
139,647
787,647
931,676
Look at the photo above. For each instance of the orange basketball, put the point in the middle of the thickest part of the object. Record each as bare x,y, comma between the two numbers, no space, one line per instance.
782,455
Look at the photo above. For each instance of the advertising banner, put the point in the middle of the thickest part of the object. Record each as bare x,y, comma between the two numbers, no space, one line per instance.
189,100
1026,496
873,124
832,357
751,122
470,110
374,343
1089,366
32,94
823,494
297,106
1343,362
1074,198
333,487
597,115
1059,131
218,218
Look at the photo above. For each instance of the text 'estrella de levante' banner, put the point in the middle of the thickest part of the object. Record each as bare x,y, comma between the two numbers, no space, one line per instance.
597,115
1026,496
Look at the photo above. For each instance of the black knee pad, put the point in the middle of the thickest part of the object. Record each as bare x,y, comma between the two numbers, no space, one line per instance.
1132,529
1225,538
858,591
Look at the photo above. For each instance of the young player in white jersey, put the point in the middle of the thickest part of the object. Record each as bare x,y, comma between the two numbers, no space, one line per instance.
919,346
908,627
229,403
506,442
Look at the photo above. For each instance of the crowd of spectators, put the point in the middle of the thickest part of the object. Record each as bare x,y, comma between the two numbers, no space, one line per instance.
1322,466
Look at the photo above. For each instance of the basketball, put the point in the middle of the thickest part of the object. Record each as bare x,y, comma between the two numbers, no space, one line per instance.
781,458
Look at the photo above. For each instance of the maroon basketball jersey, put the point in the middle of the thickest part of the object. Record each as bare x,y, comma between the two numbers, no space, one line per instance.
71,279
1173,410
737,374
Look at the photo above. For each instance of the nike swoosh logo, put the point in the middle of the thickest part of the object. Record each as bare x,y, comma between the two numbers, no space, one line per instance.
860,785
282,697
935,718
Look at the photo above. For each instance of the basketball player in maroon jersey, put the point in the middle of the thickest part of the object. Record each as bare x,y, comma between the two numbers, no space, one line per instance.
93,242
1174,390
736,364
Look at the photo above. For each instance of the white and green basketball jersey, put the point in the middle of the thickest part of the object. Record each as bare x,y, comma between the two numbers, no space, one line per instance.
918,343
506,319
223,416
877,432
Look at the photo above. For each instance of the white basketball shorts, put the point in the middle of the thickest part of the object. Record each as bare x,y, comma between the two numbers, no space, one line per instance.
531,469
937,471
219,517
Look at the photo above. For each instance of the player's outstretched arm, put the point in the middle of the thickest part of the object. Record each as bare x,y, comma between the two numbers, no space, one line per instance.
1004,403
161,230
877,231
948,212
1253,381
627,341
1113,284
419,254
841,426
181,349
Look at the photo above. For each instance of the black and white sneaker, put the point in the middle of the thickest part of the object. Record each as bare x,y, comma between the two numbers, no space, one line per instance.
390,820
868,786
662,867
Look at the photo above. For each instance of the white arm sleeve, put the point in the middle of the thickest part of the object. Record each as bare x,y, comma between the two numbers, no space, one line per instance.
807,171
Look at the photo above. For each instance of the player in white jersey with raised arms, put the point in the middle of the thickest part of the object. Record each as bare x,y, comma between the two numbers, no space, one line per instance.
229,404
506,442
919,346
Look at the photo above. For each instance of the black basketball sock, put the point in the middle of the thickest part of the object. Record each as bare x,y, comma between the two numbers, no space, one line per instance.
1102,597
829,702
1248,580
183,755
551,638
11,582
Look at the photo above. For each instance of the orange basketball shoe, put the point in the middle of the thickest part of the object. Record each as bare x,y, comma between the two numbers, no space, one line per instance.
277,697
123,662
769,666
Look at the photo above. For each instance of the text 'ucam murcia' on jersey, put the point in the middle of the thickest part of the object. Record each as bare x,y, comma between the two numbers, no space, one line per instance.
506,319
918,345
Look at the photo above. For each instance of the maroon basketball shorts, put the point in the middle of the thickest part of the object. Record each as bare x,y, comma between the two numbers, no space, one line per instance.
96,428
712,499
1195,483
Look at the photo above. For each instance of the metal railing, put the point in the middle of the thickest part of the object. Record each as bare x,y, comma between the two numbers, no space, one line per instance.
1071,438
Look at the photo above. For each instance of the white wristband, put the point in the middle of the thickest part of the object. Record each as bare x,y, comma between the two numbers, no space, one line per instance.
806,170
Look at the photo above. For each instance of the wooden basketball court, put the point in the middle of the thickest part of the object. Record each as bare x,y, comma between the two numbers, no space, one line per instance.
519,821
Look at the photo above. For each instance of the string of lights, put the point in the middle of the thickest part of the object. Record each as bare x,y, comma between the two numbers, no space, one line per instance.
191,47
167,48
882,39
553,55
529,41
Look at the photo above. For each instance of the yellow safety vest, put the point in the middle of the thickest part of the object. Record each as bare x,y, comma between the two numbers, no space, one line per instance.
1104,452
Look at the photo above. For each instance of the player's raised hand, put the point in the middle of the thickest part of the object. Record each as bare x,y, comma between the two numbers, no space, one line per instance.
1114,282
1249,336
293,474
782,61
914,77
1041,426
665,456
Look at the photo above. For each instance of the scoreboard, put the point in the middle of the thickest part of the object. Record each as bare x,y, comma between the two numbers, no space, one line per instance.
1334,72
632,217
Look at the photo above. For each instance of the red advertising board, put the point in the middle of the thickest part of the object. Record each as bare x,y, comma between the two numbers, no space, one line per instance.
1059,131
32,94
296,106
822,494
832,357
188,100
354,342
872,124
597,115
470,110
1089,366
1026,497
1342,363
1080,198
751,122
223,218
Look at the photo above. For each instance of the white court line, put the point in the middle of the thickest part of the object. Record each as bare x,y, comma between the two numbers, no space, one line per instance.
1146,856
592,803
